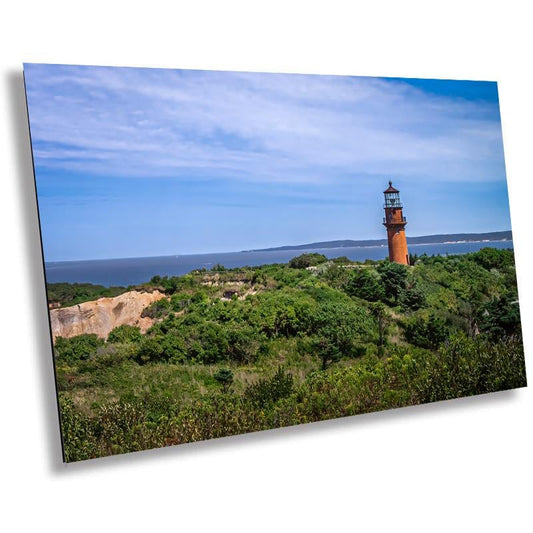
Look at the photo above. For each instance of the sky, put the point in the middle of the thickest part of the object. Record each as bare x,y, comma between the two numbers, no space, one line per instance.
133,162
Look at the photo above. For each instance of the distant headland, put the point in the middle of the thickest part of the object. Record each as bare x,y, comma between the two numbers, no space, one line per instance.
425,239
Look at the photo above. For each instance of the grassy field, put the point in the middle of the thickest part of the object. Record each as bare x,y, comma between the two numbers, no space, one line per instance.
248,349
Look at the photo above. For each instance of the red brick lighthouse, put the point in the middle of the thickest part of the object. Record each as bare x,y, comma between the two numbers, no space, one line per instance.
395,223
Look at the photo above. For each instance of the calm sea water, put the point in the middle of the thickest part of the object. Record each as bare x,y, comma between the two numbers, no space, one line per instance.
132,271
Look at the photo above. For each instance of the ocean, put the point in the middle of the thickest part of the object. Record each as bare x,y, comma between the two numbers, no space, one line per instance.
132,271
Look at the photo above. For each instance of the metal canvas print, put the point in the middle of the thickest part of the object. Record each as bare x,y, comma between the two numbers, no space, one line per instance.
229,252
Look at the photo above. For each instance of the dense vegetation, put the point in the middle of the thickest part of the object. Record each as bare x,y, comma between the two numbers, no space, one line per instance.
64,294
241,350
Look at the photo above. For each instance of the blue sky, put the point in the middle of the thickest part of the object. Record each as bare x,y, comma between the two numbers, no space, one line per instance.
135,162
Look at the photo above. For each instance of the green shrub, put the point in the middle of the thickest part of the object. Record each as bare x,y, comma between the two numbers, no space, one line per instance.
67,294
427,332
268,391
336,276
394,279
124,333
408,376
343,325
468,366
296,318
79,441
150,350
244,343
365,284
493,258
157,309
501,316
77,348
341,260
307,260
182,300
161,348
412,298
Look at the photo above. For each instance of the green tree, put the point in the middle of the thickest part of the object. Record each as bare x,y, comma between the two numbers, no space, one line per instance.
501,316
365,284
394,279
427,332
213,341
307,260
344,325
243,343
412,298
327,351
225,377
379,311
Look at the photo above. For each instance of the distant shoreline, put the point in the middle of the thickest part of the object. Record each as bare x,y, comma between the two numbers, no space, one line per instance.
452,238
458,238
370,246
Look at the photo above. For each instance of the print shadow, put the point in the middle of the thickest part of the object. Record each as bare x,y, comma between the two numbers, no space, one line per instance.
38,320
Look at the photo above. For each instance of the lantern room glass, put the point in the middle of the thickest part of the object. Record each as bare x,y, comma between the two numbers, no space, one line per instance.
392,199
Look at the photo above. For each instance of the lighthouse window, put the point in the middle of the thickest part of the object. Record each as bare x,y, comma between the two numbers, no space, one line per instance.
392,199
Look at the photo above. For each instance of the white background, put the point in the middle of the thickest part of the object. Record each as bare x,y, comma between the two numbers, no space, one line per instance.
464,465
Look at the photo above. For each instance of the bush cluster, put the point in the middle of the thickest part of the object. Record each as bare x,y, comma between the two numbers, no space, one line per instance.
462,367
307,260
345,338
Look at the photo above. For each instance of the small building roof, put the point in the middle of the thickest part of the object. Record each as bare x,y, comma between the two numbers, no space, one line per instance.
391,188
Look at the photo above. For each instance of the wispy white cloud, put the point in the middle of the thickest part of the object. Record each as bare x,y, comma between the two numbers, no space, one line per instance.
256,127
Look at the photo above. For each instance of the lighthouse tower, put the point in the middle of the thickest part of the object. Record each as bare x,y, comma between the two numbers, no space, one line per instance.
395,223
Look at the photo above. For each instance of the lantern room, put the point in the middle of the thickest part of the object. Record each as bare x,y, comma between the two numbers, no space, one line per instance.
392,197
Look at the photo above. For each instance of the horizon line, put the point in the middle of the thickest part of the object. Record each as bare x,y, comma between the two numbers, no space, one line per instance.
286,247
